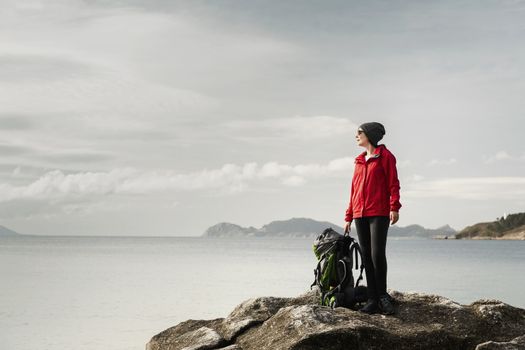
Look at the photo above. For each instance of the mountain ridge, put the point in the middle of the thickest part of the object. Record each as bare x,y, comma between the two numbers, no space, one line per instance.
4,231
309,228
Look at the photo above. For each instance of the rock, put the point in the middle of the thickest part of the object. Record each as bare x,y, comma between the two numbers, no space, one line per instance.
255,311
421,321
189,335
249,313
515,344
231,347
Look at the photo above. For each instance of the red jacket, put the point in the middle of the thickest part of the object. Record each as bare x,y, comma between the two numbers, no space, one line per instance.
375,186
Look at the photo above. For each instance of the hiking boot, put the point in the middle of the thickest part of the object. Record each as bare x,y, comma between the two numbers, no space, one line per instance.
385,305
371,307
392,300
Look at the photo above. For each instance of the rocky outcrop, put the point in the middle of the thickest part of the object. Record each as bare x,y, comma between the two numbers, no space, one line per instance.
421,321
511,226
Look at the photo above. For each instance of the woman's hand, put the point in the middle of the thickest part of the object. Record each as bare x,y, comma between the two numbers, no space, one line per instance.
394,217
347,227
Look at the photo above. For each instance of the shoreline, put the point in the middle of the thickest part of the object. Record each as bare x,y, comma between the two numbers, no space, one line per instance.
493,238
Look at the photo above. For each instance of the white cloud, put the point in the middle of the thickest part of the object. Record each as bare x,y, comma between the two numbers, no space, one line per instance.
437,162
294,181
341,164
16,172
501,155
476,188
109,98
229,178
297,127
55,184
417,177
106,78
403,163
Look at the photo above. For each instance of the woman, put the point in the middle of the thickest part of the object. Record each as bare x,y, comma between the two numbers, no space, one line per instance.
374,201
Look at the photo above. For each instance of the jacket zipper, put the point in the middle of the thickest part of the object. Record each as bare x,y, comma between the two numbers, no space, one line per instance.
364,181
364,186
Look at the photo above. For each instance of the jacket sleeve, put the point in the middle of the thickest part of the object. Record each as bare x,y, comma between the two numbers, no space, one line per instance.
393,182
349,215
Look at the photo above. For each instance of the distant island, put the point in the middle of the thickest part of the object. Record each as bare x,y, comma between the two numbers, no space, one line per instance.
510,226
4,231
310,228
295,227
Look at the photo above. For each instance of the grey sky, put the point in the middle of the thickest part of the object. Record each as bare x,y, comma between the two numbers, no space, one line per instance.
166,117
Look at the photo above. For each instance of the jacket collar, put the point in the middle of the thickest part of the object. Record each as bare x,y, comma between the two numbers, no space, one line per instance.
377,152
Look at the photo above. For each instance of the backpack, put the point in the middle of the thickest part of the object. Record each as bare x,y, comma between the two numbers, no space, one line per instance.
337,254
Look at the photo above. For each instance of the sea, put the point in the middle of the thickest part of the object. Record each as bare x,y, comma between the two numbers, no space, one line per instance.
90,293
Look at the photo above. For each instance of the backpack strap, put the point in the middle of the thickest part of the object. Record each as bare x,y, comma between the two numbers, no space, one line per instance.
337,289
325,295
317,273
342,284
354,248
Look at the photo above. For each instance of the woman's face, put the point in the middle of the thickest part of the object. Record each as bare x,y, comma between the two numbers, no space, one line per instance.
361,138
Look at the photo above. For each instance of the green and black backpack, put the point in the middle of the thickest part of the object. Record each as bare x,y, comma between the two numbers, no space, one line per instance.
337,255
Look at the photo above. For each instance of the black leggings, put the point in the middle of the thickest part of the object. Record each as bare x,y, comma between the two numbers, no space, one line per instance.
372,232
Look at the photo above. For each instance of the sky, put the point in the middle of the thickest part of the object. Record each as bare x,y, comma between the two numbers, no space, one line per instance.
162,118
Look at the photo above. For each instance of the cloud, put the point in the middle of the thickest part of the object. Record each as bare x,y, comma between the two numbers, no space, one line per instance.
22,173
55,184
12,150
297,127
474,188
403,163
24,68
87,70
16,172
294,181
417,177
436,162
48,209
499,156
106,111
80,156
229,178
48,154
15,122
107,100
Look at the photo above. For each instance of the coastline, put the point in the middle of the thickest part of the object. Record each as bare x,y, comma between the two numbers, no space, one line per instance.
511,236
503,238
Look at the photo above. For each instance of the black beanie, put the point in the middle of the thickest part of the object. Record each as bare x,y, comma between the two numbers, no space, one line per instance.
374,131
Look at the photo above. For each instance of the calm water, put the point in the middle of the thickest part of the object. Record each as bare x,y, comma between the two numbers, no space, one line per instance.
115,293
